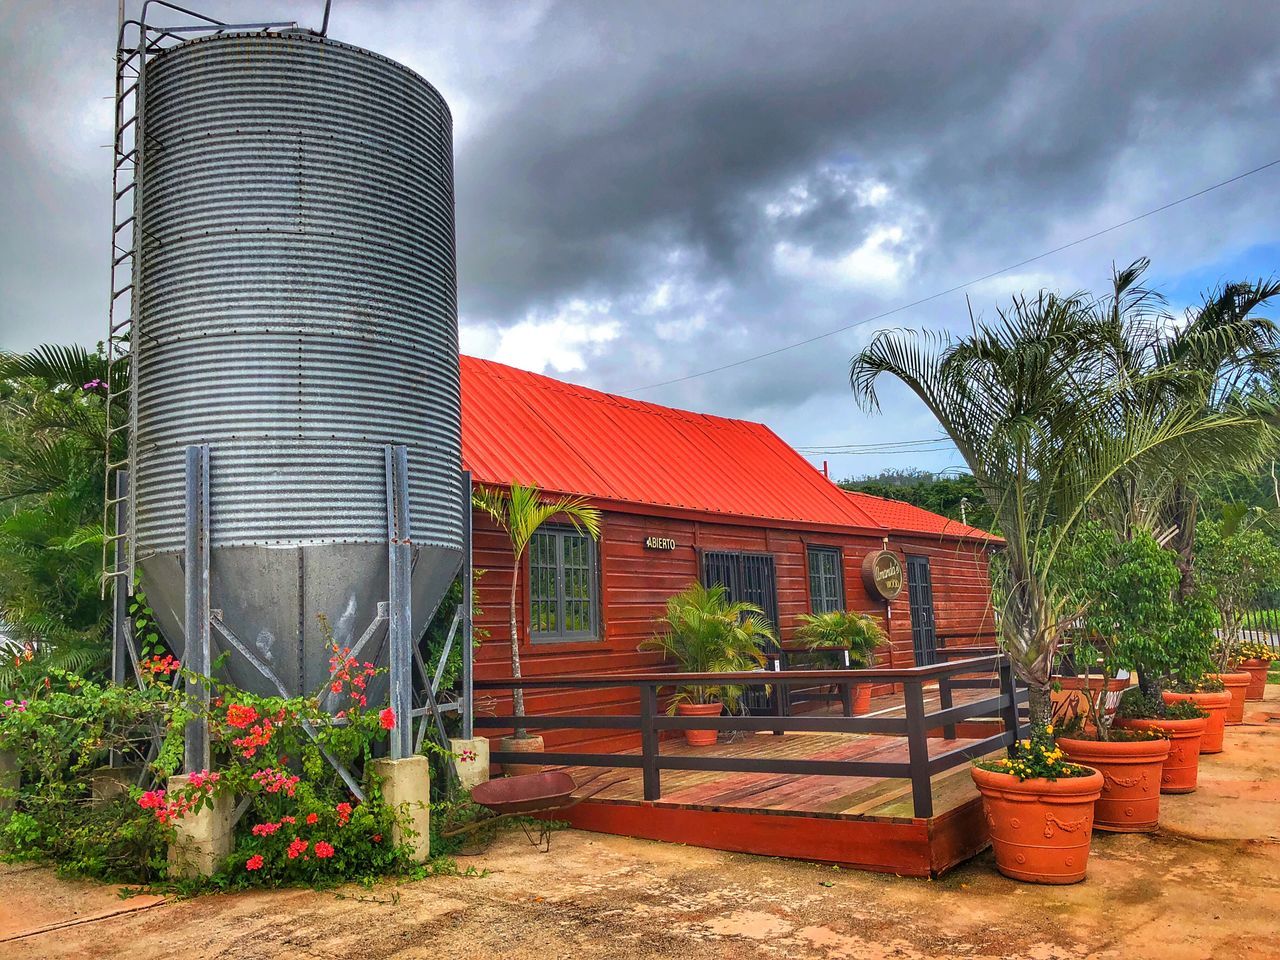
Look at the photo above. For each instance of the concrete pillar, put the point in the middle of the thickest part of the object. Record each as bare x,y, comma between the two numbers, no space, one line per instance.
108,783
406,789
472,761
204,837
9,779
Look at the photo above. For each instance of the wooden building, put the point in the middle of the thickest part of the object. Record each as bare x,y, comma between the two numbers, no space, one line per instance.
685,497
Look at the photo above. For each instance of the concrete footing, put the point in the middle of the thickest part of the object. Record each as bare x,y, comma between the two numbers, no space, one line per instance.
472,761
204,837
9,779
406,788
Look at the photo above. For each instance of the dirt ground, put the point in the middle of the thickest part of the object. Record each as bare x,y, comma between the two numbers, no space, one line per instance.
1207,886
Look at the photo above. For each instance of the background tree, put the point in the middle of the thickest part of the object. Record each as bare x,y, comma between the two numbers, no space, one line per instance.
957,497
520,512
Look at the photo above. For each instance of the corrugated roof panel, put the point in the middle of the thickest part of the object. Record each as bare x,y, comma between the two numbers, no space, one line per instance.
528,428
897,515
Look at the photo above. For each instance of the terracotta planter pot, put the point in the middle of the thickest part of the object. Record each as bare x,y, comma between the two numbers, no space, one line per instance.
1040,829
1257,670
1237,684
862,698
1131,772
699,738
1216,704
1072,687
529,744
1182,768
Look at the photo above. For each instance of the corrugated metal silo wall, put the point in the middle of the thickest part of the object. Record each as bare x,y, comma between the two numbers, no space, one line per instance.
297,312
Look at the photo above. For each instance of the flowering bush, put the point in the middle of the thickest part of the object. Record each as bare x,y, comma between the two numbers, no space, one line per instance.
301,822
1038,758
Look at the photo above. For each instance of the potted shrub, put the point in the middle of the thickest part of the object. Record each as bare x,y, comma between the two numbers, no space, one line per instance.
1209,695
1241,563
1235,681
705,633
1254,659
1124,589
1183,722
520,512
1039,807
858,634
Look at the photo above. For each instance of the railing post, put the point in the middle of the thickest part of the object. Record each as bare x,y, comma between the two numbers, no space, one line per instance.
918,749
649,742
1009,713
945,702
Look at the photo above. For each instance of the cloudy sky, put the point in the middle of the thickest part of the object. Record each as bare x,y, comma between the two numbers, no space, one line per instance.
648,190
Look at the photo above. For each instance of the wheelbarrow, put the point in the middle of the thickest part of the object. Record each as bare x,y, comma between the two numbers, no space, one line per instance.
531,793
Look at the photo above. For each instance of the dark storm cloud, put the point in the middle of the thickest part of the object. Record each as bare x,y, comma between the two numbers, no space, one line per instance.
657,188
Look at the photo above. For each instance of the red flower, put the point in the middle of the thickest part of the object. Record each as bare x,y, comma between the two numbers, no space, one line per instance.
336,686
387,718
254,862
265,829
377,838
240,716
311,819
288,820
299,846
344,813
323,850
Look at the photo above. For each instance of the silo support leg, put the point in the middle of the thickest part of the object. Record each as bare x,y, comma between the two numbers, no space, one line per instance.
400,626
198,658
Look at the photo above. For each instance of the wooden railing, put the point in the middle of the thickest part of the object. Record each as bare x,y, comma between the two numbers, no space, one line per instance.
914,726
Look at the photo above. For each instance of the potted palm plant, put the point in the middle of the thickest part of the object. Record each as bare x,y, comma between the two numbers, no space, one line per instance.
858,634
704,632
520,512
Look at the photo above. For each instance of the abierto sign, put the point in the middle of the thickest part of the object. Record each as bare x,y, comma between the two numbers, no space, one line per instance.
659,543
882,574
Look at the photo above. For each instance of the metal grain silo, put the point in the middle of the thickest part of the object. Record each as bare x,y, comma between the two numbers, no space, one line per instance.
296,312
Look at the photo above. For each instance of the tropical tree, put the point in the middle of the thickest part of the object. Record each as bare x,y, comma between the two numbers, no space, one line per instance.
1046,413
53,431
520,512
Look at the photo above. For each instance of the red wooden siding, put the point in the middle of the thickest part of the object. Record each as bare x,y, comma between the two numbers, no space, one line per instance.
636,583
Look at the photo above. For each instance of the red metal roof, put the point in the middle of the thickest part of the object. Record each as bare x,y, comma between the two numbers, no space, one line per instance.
905,517
522,427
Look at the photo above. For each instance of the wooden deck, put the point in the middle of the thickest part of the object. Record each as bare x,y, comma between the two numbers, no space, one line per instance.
853,821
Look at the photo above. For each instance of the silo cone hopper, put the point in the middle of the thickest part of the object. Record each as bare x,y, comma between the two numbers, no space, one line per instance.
296,431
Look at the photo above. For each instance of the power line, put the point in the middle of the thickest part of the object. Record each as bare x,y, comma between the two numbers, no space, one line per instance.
854,447
957,287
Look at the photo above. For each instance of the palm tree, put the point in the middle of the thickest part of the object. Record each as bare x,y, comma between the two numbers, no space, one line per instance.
1221,358
1046,413
52,436
520,511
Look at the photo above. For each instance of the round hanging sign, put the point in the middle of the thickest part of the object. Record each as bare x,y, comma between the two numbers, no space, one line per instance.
882,574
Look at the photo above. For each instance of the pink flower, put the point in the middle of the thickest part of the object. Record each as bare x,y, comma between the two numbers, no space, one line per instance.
265,829
254,862
297,847
387,718
324,850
